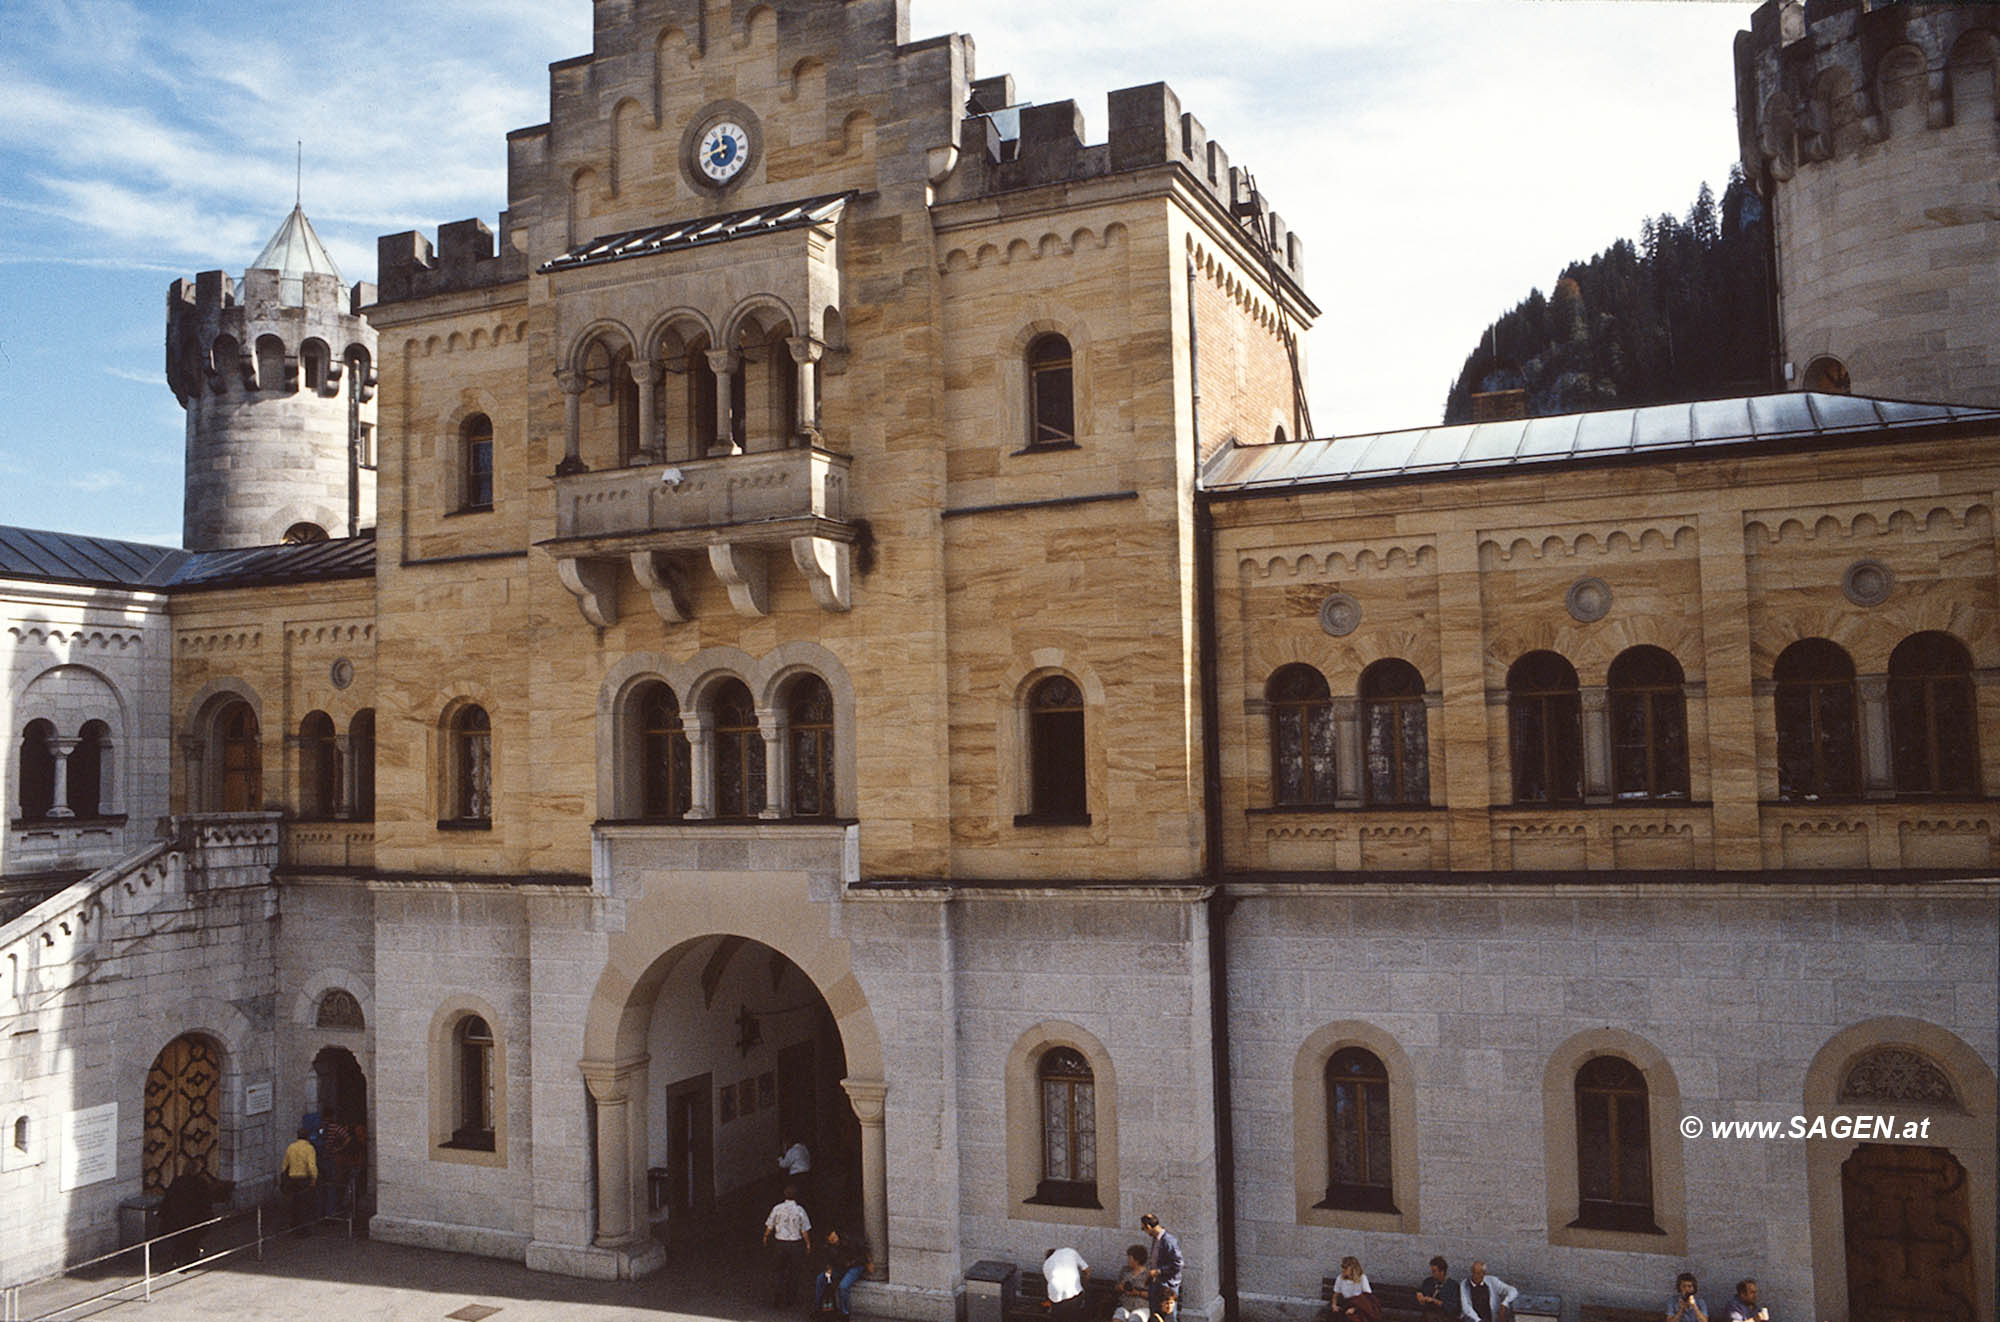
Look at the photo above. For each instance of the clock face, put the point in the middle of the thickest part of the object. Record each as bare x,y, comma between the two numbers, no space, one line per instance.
725,150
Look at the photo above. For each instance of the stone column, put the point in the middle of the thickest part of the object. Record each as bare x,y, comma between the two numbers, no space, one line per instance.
677,438
701,767
1878,765
573,385
60,748
1596,743
762,428
867,1096
620,1212
725,364
806,353
194,750
108,779
771,730
1347,750
646,376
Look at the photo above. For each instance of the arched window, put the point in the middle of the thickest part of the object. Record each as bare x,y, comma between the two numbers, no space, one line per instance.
21,1134
1278,435
314,359
319,767
1069,1129
242,759
301,533
469,771
339,1009
1933,721
664,755
1545,730
1051,392
1649,753
1395,734
472,1127
87,769
475,445
38,771
1302,756
1819,746
1614,1151
809,730
273,374
1359,1177
739,753
1899,1075
1057,783
361,748
1828,376
702,423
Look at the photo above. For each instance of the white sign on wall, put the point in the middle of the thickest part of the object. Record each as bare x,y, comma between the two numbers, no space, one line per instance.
257,1099
90,1146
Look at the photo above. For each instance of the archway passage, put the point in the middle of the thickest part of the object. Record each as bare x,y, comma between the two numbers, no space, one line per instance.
1909,1235
342,1087
182,1112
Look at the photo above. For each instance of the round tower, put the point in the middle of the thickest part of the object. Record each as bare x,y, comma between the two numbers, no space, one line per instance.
278,380
1870,129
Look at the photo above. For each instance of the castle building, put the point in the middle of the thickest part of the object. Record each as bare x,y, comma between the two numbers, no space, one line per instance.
851,644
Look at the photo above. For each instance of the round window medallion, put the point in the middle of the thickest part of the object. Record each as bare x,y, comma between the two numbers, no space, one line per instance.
342,673
1588,600
1867,583
1340,615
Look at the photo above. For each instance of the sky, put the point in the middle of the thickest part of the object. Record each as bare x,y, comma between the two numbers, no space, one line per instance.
1439,157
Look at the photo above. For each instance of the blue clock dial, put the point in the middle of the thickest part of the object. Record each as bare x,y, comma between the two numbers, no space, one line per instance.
725,150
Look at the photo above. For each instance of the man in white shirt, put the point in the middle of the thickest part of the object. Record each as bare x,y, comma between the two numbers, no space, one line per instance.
788,1230
797,1164
1484,1298
1065,1271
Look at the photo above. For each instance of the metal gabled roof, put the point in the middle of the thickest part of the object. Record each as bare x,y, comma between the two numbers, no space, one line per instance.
260,566
65,557
695,233
1775,420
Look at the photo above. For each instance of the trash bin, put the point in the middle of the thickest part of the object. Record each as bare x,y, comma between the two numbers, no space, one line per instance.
989,1290
138,1220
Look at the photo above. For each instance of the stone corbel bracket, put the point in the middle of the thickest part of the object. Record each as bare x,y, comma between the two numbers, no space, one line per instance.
745,571
665,583
594,584
828,567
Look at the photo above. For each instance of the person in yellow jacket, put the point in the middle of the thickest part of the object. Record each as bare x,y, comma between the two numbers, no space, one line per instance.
297,1178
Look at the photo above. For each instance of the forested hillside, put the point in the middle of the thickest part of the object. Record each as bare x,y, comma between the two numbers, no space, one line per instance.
1682,314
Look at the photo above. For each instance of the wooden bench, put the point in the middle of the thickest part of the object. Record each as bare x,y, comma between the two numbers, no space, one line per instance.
1612,1313
1399,1302
1031,1291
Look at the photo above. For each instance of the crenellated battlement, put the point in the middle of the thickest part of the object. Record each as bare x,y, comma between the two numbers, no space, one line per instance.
254,337
1010,146
1819,81
407,267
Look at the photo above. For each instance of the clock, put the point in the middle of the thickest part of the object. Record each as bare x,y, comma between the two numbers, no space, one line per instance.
724,151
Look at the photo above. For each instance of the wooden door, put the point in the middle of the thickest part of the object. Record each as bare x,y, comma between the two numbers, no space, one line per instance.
1909,1238
798,1099
182,1115
690,1187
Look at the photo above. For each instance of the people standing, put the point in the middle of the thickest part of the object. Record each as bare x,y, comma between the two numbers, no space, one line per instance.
1132,1306
186,1204
1437,1296
1063,1274
1744,1307
351,1162
788,1231
846,1261
297,1177
795,1164
1688,1306
1163,1267
1484,1298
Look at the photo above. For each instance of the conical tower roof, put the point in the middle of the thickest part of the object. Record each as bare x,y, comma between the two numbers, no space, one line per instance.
295,252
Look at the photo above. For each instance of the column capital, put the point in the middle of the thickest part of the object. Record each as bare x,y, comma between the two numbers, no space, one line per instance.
1872,688
62,745
643,371
610,1081
867,1097
722,361
1593,697
805,349
571,382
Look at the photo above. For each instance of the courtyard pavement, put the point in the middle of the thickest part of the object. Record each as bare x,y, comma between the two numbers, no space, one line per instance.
331,1278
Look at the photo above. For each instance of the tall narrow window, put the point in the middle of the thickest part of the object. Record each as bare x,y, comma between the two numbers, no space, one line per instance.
242,760
1545,730
623,393
809,729
701,402
361,748
1933,722
1302,759
739,753
1819,745
473,1041
1395,734
664,756
319,767
1051,392
1057,784
38,771
1357,1120
471,769
1614,1150
1648,705
1069,1129
88,765
476,457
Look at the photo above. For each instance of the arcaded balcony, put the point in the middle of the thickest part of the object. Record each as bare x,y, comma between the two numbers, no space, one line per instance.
732,513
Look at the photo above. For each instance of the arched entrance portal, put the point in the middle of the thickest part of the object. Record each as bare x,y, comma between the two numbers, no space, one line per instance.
183,1113
341,1089
703,1069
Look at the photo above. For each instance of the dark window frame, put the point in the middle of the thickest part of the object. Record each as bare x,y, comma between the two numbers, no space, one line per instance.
665,757
739,749
475,448
1613,1090
1357,1096
1814,692
475,1102
1394,720
319,768
1058,748
1065,1071
1304,767
470,774
1647,692
1051,364
1545,731
809,744
1933,718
